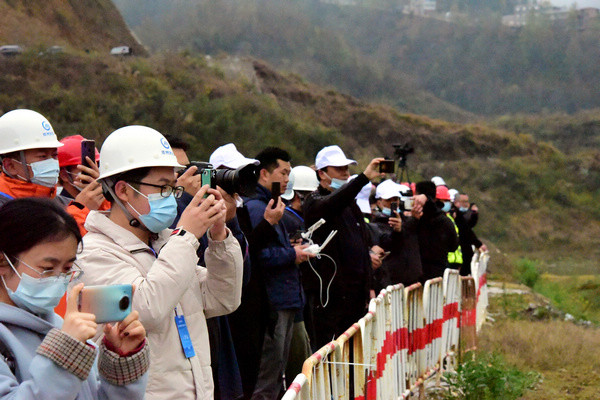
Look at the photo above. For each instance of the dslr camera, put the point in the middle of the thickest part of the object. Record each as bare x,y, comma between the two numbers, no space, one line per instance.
242,180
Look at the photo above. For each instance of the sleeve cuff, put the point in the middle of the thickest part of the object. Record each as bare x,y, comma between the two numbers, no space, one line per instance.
121,371
68,353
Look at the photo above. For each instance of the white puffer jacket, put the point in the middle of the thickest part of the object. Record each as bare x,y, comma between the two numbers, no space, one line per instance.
112,255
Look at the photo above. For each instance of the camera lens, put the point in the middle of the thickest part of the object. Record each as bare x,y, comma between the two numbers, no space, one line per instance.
124,303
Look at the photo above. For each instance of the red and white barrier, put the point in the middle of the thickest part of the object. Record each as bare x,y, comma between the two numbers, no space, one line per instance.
479,272
402,341
451,325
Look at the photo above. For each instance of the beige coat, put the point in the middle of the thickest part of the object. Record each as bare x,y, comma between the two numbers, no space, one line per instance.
172,280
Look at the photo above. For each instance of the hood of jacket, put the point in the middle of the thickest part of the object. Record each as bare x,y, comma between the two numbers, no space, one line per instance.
98,222
12,315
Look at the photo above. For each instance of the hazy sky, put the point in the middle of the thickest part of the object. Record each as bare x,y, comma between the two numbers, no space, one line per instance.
580,3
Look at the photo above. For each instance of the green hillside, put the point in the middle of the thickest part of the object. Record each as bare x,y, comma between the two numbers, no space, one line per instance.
518,183
416,64
93,25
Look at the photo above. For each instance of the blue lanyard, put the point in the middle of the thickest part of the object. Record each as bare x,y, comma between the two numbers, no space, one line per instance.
295,213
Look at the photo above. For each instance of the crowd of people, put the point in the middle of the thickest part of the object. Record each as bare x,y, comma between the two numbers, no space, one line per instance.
234,286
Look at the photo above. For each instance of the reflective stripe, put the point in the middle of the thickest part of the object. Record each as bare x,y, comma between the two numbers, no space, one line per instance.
455,257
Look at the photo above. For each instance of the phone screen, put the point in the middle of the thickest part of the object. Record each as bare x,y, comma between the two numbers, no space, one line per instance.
275,192
88,149
386,166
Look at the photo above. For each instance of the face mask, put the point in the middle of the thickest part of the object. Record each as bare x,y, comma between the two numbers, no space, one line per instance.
72,180
337,183
239,202
40,295
447,206
163,211
463,209
387,212
45,173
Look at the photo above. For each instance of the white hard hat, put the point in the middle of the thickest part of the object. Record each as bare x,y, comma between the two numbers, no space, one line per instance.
24,130
332,156
135,147
302,178
387,189
438,180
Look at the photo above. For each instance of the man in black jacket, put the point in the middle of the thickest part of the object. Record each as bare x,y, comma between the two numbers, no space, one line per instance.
349,267
437,236
466,219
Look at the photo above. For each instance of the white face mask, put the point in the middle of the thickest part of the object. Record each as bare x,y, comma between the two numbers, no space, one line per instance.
336,183
45,172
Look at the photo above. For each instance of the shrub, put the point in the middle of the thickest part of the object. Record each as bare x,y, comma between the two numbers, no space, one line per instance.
487,377
527,272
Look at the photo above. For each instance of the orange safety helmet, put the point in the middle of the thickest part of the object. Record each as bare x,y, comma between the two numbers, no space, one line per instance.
70,153
442,193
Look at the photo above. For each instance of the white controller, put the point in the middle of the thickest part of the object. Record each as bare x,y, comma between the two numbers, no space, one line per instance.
313,249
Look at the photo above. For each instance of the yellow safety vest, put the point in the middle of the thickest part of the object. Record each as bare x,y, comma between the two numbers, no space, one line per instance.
455,257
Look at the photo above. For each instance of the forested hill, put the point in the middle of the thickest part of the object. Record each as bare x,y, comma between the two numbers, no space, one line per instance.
476,64
93,25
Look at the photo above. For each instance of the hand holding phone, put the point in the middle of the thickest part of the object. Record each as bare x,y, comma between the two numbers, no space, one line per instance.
109,303
386,166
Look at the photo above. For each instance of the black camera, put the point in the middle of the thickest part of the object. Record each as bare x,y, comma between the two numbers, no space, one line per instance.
401,151
242,180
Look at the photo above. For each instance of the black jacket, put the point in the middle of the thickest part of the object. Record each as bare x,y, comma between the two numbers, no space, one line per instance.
467,238
349,248
403,264
437,237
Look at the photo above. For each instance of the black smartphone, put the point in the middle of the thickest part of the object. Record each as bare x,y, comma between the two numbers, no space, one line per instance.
394,208
275,192
88,149
386,166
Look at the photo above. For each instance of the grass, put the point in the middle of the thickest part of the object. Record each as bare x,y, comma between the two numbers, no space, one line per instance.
566,355
576,295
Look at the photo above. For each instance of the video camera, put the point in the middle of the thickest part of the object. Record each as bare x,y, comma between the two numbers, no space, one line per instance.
401,151
242,180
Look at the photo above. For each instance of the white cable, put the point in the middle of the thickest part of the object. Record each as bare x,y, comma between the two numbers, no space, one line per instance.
321,280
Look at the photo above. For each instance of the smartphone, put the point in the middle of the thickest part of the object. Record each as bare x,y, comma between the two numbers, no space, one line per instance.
394,207
409,203
109,303
88,149
275,192
387,166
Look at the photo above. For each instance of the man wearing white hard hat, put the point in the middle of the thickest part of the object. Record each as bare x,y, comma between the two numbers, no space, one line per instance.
30,167
131,244
350,267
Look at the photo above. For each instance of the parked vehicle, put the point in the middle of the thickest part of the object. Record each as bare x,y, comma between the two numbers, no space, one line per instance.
11,50
121,51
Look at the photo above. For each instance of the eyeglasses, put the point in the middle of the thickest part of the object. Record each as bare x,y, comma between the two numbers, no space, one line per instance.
165,190
73,274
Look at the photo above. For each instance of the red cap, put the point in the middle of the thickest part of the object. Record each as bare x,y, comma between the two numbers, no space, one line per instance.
70,153
442,193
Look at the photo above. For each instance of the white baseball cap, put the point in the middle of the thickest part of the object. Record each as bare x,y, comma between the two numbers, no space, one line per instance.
332,156
387,189
362,198
229,156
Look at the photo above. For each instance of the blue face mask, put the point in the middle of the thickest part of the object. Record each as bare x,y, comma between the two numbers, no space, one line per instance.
40,295
163,211
337,183
386,211
463,209
447,206
45,173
